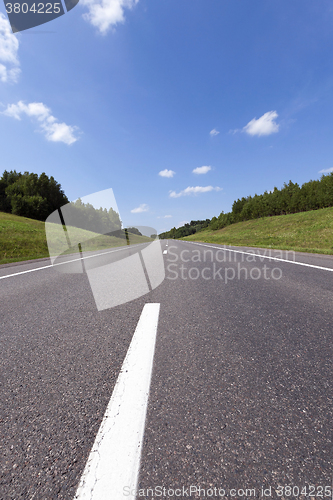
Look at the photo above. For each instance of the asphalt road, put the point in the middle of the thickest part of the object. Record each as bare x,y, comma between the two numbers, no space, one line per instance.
241,389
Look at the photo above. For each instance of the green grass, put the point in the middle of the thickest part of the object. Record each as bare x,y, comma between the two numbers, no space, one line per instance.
303,232
25,239
21,239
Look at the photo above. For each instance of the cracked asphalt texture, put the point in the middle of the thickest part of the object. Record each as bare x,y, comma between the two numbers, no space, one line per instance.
241,393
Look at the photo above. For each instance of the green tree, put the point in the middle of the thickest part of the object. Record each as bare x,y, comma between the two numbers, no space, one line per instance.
29,195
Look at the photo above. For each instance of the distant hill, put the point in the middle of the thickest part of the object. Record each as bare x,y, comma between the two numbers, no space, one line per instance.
310,231
290,199
24,239
186,230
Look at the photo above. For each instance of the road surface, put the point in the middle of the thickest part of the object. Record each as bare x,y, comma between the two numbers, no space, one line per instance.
240,394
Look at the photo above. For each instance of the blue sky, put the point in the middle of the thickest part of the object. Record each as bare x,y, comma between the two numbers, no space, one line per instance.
116,92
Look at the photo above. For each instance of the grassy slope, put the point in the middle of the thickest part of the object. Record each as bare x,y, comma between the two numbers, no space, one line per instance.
25,239
303,232
21,239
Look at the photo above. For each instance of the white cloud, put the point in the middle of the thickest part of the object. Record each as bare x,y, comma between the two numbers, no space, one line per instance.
9,44
214,132
193,190
265,125
59,132
35,109
106,13
326,170
201,170
164,217
142,208
166,173
53,130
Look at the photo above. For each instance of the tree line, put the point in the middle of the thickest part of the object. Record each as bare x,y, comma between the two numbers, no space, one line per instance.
186,230
86,216
290,199
30,195
36,197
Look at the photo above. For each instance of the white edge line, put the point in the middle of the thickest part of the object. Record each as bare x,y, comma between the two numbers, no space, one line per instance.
264,256
67,261
114,460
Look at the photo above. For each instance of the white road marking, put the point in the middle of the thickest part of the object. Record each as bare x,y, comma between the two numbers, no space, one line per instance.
264,256
29,271
165,252
114,460
66,262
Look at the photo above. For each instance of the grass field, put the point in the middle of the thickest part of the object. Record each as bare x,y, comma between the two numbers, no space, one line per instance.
304,232
21,239
25,239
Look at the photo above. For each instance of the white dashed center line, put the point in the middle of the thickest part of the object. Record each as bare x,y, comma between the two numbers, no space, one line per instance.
113,465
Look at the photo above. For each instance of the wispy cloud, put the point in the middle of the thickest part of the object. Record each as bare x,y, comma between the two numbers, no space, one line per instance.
326,170
183,222
214,132
193,190
9,44
164,217
265,125
142,208
201,170
166,173
53,130
106,13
